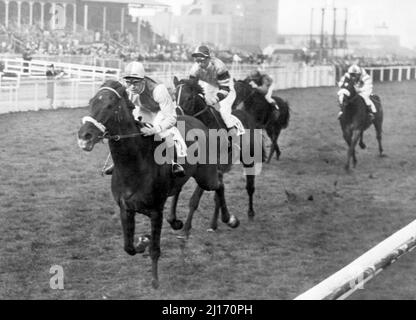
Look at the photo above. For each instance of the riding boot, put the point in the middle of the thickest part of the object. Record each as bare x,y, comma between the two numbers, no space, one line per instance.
339,115
177,170
371,114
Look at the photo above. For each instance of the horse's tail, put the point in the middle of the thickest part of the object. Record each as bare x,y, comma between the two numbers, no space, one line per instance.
284,108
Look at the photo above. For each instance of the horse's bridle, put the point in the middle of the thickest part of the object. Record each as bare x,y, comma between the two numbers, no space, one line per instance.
206,109
102,127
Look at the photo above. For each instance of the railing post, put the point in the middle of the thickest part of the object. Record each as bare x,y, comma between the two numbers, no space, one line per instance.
381,74
400,74
391,74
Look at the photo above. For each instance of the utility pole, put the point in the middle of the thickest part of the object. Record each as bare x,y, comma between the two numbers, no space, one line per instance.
345,29
311,31
322,34
334,35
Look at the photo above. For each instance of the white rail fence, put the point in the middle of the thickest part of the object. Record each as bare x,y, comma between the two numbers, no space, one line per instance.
28,89
32,95
25,86
394,73
345,282
38,68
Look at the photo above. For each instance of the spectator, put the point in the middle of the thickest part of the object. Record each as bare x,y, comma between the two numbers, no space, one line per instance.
51,76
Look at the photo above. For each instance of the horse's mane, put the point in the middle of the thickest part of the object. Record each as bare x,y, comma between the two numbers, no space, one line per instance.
121,90
194,85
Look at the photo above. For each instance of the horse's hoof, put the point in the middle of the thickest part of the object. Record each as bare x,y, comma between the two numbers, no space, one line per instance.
363,146
210,230
177,225
233,223
251,215
143,244
131,251
155,284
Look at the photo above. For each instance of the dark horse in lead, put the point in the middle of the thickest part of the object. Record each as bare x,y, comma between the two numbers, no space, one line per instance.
139,184
355,120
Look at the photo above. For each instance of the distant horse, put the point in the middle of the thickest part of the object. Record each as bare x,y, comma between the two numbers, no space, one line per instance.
253,101
139,184
355,119
190,97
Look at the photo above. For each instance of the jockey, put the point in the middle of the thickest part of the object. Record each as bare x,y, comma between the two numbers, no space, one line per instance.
154,105
263,83
363,85
215,73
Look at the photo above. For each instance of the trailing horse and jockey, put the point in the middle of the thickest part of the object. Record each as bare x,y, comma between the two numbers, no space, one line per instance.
190,97
355,118
253,95
153,105
214,77
263,83
363,86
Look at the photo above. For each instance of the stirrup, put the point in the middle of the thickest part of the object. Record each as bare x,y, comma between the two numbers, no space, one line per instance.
109,170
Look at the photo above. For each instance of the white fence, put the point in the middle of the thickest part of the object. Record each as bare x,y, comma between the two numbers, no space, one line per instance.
353,277
37,68
393,73
33,94
24,93
303,77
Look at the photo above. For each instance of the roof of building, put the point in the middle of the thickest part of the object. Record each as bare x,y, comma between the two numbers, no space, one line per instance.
152,3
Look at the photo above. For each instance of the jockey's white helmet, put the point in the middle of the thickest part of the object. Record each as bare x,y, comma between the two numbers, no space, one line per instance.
354,69
134,70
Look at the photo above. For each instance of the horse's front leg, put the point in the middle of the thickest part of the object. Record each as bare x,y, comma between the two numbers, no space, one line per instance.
276,145
156,218
378,124
172,219
347,134
250,187
351,150
128,225
226,218
362,144
214,220
193,206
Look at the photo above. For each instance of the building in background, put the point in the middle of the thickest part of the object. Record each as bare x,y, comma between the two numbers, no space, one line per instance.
243,24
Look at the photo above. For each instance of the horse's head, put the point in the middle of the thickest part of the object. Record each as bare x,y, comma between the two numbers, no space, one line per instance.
189,96
347,92
110,108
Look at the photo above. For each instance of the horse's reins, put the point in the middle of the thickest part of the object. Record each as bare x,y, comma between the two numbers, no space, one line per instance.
178,99
102,127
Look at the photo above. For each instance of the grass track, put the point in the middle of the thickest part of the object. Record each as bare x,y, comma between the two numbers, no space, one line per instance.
57,209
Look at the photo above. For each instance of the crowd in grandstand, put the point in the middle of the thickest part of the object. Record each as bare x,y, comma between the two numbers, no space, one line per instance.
154,48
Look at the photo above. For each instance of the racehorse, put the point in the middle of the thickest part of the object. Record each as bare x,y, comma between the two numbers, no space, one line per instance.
190,97
254,102
139,184
355,119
